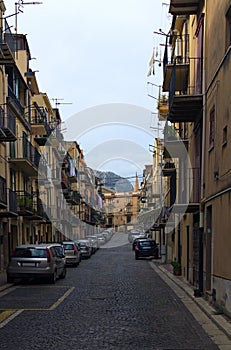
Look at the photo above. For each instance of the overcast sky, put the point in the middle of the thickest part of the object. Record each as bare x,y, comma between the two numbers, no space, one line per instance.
90,53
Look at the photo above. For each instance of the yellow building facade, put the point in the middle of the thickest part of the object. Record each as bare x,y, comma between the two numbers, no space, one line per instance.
196,77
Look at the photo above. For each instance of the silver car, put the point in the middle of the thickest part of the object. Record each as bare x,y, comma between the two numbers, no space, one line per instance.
85,247
36,261
72,253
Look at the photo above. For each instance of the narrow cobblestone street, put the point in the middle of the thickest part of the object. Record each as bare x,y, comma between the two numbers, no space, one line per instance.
111,301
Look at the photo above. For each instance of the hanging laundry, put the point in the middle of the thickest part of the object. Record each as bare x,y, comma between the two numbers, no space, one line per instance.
151,65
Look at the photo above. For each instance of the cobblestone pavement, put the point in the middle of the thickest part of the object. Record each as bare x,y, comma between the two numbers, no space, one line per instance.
111,301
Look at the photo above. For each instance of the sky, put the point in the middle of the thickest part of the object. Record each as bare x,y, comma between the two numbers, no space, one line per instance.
92,58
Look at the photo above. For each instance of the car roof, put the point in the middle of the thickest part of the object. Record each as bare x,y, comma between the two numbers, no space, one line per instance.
37,246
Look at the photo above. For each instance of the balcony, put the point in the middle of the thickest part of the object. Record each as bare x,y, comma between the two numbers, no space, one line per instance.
8,46
162,107
11,210
39,124
37,213
174,145
3,196
73,198
184,7
30,206
183,81
43,170
25,157
189,192
64,180
168,169
24,203
56,137
7,132
185,97
55,174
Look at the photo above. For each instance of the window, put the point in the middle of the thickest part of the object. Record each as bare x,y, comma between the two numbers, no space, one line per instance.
212,128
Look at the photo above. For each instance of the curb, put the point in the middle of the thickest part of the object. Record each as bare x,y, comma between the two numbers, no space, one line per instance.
6,286
218,319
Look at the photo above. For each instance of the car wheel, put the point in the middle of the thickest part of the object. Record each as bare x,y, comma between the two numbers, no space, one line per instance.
52,278
63,274
10,279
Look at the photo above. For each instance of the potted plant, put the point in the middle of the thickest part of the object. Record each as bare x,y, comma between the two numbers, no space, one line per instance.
24,202
163,101
176,268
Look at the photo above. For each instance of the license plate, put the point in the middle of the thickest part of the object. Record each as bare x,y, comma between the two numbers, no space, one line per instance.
29,264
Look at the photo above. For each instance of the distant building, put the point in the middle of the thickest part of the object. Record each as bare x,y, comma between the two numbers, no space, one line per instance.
121,208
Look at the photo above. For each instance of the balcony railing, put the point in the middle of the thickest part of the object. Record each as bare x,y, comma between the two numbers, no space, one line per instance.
24,203
7,131
3,196
38,120
188,191
24,155
175,142
43,168
176,54
12,201
185,97
12,98
74,198
7,45
10,209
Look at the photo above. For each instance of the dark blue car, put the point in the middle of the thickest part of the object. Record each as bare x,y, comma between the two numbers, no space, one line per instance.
146,248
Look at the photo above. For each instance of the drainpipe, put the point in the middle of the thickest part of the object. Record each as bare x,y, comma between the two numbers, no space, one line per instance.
201,224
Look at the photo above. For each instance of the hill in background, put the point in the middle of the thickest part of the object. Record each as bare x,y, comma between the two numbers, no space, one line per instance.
114,182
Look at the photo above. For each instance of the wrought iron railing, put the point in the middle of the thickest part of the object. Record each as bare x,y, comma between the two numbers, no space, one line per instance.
15,100
3,196
25,201
12,201
22,148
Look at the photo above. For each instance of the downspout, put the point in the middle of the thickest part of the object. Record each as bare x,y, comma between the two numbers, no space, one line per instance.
6,246
201,226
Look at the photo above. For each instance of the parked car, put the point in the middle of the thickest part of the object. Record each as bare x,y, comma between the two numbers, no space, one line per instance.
36,261
85,248
72,253
133,233
60,250
101,239
136,239
146,248
94,243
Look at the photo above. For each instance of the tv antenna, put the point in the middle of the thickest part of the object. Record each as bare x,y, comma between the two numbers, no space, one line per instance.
18,9
57,103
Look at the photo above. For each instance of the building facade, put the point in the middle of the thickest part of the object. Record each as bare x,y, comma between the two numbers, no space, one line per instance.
197,145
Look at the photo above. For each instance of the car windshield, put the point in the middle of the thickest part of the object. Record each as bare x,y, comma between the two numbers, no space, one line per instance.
147,244
59,250
68,247
30,253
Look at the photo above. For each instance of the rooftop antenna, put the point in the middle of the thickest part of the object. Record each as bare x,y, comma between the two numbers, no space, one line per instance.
18,9
57,103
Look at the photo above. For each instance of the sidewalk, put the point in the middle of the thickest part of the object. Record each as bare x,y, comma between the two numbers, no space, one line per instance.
222,321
